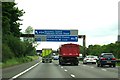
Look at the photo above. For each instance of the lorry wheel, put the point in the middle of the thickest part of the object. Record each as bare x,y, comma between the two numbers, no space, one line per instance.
43,62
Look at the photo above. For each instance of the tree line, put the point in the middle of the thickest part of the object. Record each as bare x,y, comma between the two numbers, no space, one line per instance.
12,45
98,49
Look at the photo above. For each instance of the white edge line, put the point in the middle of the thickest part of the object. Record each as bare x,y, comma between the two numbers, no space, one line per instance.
24,71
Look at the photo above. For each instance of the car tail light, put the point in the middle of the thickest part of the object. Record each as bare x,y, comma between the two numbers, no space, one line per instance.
113,59
103,58
95,59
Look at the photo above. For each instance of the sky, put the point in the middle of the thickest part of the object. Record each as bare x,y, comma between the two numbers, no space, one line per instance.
97,19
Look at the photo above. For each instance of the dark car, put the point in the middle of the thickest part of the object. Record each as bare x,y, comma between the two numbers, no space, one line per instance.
106,59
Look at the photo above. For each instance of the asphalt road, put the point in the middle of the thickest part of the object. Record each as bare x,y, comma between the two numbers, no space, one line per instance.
54,70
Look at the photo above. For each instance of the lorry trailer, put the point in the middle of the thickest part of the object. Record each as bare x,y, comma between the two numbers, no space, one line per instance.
69,54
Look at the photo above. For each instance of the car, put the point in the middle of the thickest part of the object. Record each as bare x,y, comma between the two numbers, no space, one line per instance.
56,57
89,59
96,57
106,59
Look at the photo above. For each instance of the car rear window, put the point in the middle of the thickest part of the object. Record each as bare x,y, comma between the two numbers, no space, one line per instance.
90,56
108,56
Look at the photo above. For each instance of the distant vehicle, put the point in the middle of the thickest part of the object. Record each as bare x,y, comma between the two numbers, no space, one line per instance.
106,59
90,59
80,57
54,54
69,53
56,57
46,55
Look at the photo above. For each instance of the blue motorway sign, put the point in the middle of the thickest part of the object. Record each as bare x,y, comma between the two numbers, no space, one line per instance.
58,39
52,32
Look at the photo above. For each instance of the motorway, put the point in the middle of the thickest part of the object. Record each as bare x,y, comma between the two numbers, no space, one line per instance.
54,70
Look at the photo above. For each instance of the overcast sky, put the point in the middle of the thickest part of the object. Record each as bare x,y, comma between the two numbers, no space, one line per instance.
97,19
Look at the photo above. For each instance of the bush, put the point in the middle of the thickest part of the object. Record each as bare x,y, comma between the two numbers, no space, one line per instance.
6,53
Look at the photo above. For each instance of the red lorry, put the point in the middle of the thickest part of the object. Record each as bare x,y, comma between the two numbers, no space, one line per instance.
69,53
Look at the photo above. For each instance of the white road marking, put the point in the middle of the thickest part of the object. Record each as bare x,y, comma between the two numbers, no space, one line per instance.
104,69
72,75
91,67
65,70
23,72
61,67
78,64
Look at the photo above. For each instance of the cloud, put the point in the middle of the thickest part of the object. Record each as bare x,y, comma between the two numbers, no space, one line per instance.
97,19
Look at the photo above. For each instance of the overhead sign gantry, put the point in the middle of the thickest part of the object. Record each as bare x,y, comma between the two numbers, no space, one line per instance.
56,35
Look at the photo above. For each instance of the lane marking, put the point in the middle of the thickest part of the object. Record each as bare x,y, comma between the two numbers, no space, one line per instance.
78,64
24,71
65,70
72,75
91,67
61,67
104,69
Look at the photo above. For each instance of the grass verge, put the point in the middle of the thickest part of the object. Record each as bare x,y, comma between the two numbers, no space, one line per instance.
118,64
16,61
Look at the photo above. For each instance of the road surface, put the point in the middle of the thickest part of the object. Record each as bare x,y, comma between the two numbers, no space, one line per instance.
54,70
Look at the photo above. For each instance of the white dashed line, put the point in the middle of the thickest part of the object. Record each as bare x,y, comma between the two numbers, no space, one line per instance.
61,67
23,72
72,75
91,67
65,70
104,69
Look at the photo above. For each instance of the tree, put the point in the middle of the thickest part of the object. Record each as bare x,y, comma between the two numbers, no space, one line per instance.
10,30
10,18
94,49
109,48
29,30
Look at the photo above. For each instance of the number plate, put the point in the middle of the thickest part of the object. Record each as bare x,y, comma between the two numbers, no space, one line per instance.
108,61
90,59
